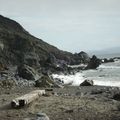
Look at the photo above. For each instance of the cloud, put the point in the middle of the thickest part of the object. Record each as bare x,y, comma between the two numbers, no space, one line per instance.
70,25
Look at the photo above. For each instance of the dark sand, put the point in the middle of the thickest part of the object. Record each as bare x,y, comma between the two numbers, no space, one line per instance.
69,103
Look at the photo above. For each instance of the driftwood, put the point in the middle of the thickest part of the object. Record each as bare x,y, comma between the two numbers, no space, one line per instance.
26,99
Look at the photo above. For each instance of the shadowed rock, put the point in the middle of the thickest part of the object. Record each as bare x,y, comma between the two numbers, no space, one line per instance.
116,96
94,63
87,83
27,72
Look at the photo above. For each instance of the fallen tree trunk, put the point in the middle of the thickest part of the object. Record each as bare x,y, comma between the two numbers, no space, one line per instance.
26,99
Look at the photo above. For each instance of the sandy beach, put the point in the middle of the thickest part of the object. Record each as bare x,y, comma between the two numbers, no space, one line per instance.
68,103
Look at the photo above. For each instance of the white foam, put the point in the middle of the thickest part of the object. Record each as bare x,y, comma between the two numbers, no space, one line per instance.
75,80
107,83
109,67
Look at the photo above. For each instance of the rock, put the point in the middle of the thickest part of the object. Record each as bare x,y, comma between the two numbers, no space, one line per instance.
39,116
105,60
94,63
87,83
51,59
69,111
27,72
3,67
7,83
31,59
42,116
97,91
81,57
116,96
84,57
46,81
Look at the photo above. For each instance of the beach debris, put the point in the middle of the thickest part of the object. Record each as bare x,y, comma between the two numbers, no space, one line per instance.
26,99
87,83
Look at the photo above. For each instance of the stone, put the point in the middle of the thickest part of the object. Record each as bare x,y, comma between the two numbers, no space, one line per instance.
31,59
84,57
116,96
39,116
46,81
42,116
27,72
94,63
105,60
7,83
78,58
87,83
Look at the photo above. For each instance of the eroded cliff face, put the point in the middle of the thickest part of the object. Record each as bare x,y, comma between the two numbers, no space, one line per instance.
18,46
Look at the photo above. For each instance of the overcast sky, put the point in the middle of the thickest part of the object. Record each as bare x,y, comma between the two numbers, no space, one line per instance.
71,25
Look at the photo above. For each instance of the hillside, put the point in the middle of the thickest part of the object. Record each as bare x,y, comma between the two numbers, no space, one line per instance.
18,46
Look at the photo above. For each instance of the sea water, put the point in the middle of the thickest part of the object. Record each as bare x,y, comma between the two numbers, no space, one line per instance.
107,74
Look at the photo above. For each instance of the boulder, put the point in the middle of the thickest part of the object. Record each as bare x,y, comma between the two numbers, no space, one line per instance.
87,83
94,63
46,81
116,96
27,72
84,57
78,58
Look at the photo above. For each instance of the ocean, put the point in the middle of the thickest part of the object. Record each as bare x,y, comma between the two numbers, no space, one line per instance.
107,74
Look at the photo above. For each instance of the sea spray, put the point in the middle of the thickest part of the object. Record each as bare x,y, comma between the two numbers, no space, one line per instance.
74,80
107,74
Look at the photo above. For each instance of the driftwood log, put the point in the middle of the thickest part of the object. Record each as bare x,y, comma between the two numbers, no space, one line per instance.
26,99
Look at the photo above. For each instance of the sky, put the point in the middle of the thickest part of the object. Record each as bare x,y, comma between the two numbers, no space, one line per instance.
71,25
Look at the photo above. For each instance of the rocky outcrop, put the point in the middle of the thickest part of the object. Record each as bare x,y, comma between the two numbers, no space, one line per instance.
18,46
81,57
84,57
105,60
87,83
27,72
94,63
46,81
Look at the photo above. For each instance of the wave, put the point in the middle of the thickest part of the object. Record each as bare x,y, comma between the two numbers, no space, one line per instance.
108,67
74,80
107,83
78,78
